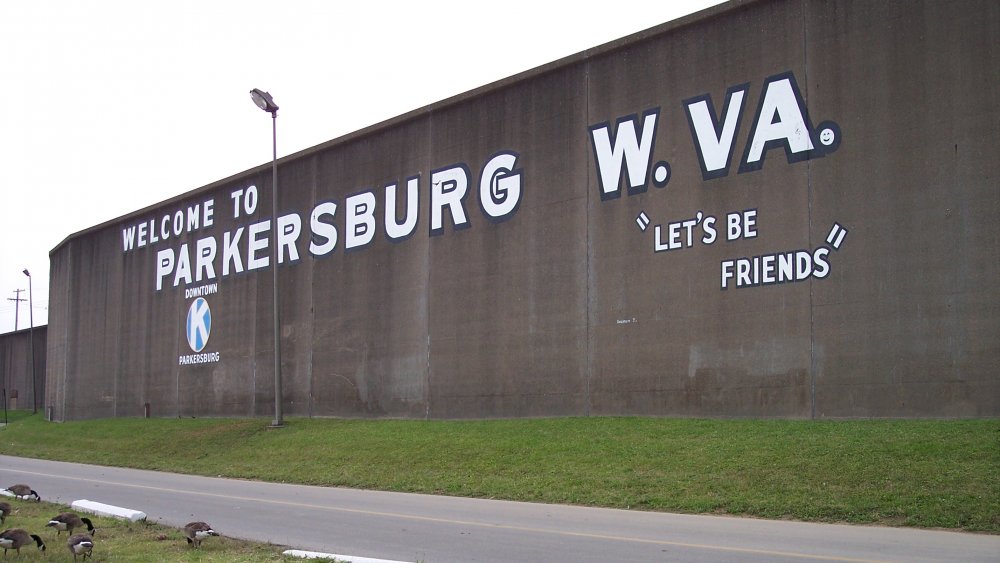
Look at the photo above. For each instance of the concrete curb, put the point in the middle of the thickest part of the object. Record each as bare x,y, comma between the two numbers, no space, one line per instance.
346,558
102,509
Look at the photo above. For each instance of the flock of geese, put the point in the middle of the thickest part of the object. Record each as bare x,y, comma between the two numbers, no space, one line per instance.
78,544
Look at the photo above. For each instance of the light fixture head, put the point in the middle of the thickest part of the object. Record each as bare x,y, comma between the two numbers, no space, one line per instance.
27,273
264,100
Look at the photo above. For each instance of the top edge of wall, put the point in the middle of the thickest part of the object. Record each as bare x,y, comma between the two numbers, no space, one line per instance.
559,64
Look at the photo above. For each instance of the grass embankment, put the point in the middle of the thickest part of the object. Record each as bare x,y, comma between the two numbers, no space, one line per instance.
911,473
134,542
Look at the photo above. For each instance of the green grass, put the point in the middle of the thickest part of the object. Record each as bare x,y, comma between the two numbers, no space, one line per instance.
132,542
926,473
12,416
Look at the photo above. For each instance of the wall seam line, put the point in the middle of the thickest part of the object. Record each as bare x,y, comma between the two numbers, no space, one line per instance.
809,206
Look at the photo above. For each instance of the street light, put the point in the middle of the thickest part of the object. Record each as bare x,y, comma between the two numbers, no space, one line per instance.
31,344
265,102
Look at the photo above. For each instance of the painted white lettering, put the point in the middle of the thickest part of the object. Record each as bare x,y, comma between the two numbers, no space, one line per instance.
750,223
733,229
128,238
324,235
781,121
289,229
821,268
626,152
360,216
231,252
803,265
255,243
727,273
708,225
178,223
208,212
183,271
449,187
681,234
715,144
201,291
500,187
785,271
741,224
193,218
236,197
164,265
743,272
205,269
399,231
250,200
767,269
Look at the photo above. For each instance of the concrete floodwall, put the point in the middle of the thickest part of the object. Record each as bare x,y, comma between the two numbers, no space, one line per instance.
21,382
773,208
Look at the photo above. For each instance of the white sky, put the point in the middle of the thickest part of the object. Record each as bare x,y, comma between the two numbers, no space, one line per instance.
112,106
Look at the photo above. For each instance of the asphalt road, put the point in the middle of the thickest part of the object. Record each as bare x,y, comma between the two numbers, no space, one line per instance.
433,529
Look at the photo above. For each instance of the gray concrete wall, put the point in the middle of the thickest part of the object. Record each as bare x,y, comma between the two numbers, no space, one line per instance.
20,386
837,258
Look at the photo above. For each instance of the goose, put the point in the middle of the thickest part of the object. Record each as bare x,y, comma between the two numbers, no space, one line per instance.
4,511
194,532
81,544
67,521
16,538
22,491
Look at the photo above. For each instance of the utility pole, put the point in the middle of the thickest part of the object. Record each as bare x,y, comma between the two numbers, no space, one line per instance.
17,304
31,341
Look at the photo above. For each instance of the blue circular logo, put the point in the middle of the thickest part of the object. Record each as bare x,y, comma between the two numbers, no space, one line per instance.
199,324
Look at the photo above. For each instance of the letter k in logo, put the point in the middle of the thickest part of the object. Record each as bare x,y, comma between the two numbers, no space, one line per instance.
199,324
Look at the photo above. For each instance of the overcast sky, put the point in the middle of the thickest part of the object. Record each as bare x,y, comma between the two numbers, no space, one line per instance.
112,106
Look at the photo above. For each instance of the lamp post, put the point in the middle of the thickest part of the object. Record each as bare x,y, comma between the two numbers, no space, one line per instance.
265,102
31,344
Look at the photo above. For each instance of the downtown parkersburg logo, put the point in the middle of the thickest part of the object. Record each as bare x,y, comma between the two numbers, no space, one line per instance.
198,326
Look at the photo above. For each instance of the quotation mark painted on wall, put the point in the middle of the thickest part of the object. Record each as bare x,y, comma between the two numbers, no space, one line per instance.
642,220
836,236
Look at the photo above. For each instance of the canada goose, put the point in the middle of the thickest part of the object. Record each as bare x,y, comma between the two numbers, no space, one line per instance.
23,492
67,521
4,511
16,538
81,544
194,532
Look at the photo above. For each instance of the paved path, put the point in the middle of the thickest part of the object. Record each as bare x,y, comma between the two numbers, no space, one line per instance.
433,529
